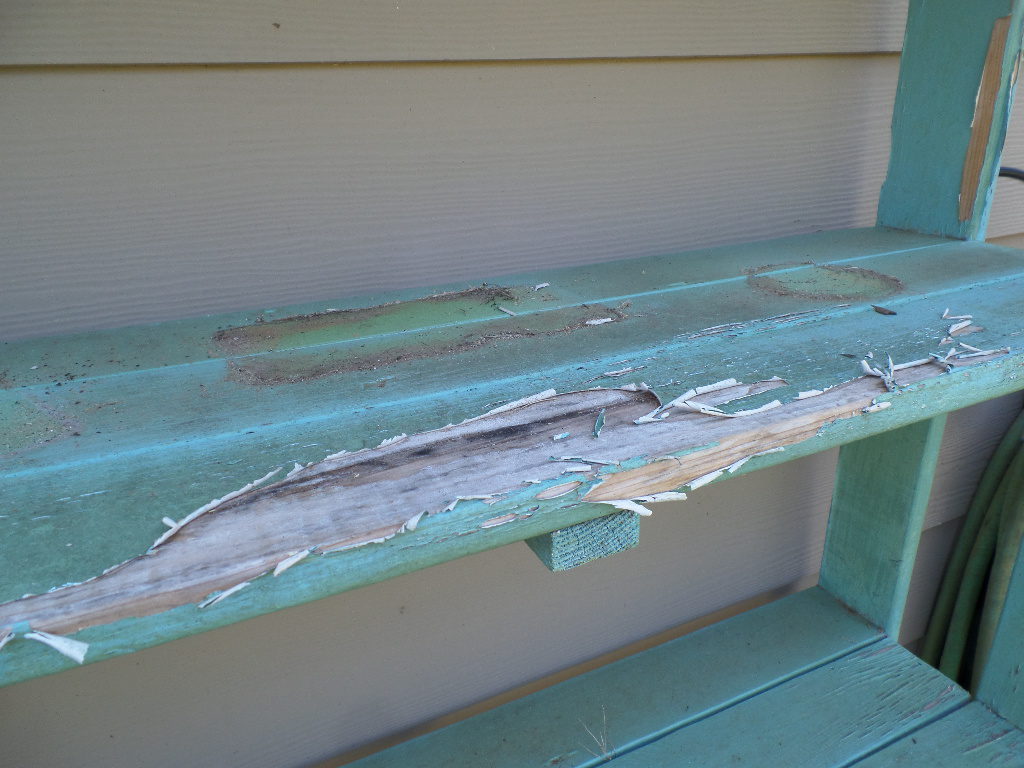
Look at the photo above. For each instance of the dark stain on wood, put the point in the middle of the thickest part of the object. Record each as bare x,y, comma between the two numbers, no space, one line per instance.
823,282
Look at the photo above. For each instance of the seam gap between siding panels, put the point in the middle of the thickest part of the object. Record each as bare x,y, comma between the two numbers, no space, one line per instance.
157,66
734,701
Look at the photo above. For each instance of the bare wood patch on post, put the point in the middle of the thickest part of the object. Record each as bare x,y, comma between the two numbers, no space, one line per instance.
984,114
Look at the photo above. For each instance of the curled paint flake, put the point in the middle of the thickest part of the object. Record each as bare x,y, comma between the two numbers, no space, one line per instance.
599,423
957,327
628,505
874,407
664,496
221,595
546,394
451,506
577,468
73,649
291,560
6,635
560,436
641,387
539,286
337,455
294,470
211,505
705,479
508,312
169,522
983,353
761,409
559,490
716,386
411,523
911,364
599,321
811,393
393,440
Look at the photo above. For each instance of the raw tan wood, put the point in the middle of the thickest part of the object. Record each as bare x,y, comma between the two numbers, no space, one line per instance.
981,127
179,31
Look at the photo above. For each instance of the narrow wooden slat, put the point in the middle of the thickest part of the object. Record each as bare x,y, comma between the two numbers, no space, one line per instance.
970,737
881,494
829,716
97,32
950,116
649,693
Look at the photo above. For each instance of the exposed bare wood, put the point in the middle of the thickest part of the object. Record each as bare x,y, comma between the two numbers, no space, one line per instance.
981,127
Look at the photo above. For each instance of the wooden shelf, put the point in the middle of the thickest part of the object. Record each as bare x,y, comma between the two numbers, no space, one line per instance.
105,434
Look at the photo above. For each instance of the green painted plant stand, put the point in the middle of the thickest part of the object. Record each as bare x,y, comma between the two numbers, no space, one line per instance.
211,470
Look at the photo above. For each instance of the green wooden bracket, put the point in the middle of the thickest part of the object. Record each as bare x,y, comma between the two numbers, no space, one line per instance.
957,75
878,505
578,544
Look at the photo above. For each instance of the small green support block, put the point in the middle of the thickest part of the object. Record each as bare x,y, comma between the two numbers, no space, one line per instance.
578,544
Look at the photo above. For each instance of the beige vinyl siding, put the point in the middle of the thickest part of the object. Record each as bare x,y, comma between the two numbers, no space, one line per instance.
192,31
139,184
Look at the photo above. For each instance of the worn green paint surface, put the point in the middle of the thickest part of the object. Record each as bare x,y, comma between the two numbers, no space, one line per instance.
879,501
940,71
637,699
107,433
831,715
579,544
970,737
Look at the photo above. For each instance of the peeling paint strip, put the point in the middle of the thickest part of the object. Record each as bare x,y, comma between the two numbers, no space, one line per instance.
451,506
226,593
538,286
705,479
559,490
958,327
545,395
393,440
508,312
663,496
291,560
494,522
6,635
874,407
211,505
73,649
761,409
294,470
577,468
628,505
599,321
411,523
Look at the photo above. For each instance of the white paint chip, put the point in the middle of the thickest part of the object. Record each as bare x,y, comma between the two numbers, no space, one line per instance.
73,649
294,470
539,286
599,321
221,595
628,505
291,560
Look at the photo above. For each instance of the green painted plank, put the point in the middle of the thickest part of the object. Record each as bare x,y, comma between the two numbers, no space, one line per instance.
879,501
1001,680
653,692
941,69
581,543
827,717
971,737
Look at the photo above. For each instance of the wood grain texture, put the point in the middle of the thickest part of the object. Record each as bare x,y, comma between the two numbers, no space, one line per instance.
628,703
970,737
882,488
96,32
829,716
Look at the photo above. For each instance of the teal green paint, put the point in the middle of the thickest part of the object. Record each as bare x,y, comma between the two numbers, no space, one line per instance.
879,501
970,737
831,715
940,71
591,540
648,694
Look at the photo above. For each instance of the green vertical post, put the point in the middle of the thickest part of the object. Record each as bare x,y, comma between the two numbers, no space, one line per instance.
878,506
957,76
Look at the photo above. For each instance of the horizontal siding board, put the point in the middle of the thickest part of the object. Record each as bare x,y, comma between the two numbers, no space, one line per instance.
185,31
201,191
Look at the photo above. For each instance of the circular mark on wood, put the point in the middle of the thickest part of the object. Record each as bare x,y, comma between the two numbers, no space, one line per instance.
825,282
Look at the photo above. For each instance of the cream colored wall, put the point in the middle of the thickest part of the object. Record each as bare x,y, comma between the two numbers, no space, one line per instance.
167,159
